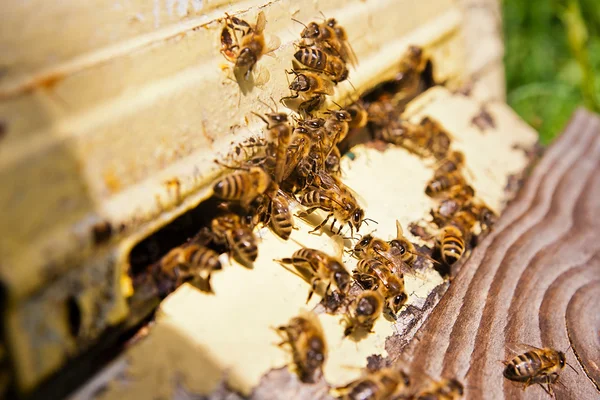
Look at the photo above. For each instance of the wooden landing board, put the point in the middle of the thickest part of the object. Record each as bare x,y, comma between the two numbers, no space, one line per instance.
534,280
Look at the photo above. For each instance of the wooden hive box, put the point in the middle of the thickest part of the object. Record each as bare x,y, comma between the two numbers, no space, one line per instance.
111,114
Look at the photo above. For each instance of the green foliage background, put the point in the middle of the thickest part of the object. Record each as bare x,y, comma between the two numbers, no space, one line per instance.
552,60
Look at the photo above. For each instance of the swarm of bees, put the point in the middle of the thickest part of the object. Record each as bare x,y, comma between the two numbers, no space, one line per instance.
297,164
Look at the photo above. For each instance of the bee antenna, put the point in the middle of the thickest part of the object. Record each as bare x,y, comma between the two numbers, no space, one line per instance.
570,366
323,15
300,22
261,117
274,103
370,219
353,87
340,107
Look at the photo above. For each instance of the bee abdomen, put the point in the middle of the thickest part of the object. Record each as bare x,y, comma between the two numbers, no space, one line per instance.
312,58
452,245
281,219
229,187
315,198
436,186
244,245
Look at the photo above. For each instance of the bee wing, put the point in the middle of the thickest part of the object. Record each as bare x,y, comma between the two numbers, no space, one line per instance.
520,348
350,54
261,75
273,43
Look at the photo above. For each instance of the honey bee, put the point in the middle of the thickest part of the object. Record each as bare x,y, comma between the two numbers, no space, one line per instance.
367,308
412,65
383,384
536,366
345,50
443,183
280,216
445,389
336,127
374,274
191,261
340,204
311,87
332,162
372,247
305,338
246,52
454,199
280,132
453,162
438,143
358,116
315,266
229,229
243,186
487,217
316,59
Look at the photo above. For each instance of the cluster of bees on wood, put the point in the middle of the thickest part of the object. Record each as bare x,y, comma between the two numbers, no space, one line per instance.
298,161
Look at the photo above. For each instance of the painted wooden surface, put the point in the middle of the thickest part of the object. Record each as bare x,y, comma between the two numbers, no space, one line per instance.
534,280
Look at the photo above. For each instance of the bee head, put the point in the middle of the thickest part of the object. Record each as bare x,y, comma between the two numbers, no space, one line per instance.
366,306
357,218
331,22
300,83
246,58
342,115
342,280
396,302
278,118
311,31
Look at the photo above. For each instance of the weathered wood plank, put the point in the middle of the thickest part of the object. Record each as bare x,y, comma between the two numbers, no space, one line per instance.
534,280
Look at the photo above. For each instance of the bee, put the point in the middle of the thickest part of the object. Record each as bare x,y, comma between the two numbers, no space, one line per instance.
445,389
454,199
297,150
368,307
311,88
332,162
358,116
438,143
280,132
191,261
340,204
316,59
315,266
229,229
372,247
442,183
454,161
336,126
386,383
536,366
487,217
345,50
374,274
280,216
243,186
305,338
245,53
408,78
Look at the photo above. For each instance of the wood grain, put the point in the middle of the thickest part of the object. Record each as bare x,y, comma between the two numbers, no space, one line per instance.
534,280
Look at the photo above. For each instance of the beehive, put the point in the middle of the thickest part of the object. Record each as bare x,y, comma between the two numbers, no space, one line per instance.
103,105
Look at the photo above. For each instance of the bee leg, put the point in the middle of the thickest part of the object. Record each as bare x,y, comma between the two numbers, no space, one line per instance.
315,282
321,224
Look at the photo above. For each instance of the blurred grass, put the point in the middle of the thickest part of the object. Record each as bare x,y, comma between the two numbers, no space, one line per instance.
552,60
